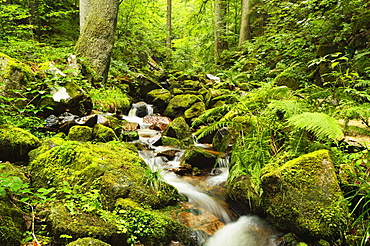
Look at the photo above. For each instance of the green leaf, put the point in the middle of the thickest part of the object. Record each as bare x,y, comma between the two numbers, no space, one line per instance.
320,124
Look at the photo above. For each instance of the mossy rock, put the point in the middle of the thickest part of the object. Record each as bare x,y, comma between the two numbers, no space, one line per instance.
179,104
193,84
102,133
243,196
14,75
15,143
80,133
197,157
194,111
303,196
11,224
110,100
112,168
159,98
88,241
178,128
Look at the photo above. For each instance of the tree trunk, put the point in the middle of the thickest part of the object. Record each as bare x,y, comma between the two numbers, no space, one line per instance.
96,40
220,29
245,28
169,29
84,10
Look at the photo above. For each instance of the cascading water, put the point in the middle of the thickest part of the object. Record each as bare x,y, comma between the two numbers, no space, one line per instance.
246,231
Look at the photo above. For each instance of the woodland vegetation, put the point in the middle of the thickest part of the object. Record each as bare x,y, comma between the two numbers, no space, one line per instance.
294,79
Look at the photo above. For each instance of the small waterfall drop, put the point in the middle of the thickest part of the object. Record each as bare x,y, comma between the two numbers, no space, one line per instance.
246,231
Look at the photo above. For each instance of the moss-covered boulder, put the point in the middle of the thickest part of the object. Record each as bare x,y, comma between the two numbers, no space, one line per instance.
180,103
11,224
197,157
14,75
242,195
15,143
112,168
88,241
159,98
303,197
194,111
111,100
178,128
80,133
102,133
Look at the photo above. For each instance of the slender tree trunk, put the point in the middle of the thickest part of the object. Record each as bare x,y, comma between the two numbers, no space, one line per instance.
220,29
96,40
84,10
35,18
245,28
169,29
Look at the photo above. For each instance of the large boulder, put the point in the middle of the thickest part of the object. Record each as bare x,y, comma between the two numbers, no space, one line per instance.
159,98
11,224
200,158
303,196
15,143
88,241
178,128
14,75
180,103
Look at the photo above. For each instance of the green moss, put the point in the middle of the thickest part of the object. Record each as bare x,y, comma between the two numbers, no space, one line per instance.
11,224
180,103
80,133
12,67
103,133
178,128
195,110
88,241
15,143
111,100
303,196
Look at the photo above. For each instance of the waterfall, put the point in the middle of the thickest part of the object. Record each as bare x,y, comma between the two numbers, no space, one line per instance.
222,172
246,231
135,118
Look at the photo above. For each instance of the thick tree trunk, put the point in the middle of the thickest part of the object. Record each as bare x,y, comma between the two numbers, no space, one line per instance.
84,10
245,28
169,29
220,29
96,40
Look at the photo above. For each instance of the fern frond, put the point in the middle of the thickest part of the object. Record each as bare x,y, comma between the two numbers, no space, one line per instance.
288,107
216,126
321,125
212,114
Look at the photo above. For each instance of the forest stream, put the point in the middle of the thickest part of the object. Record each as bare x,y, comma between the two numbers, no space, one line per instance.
209,213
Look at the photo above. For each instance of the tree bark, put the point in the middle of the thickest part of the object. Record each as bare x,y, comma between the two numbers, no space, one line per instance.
220,29
169,30
96,40
84,10
245,28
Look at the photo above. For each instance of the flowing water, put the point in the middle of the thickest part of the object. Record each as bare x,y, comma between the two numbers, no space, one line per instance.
246,231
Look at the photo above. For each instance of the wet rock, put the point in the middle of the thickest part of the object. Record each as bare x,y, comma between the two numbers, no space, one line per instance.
303,196
15,143
159,98
178,128
141,109
243,196
157,122
80,133
169,154
197,157
179,104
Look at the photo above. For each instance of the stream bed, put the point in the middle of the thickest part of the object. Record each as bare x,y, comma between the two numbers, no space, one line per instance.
207,213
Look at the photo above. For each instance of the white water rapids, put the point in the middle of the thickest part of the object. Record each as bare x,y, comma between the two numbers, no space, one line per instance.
246,231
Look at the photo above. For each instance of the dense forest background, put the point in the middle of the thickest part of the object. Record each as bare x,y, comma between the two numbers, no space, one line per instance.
291,77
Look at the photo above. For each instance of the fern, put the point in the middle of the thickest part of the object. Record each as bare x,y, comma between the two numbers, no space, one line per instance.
321,125
212,114
288,107
216,126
